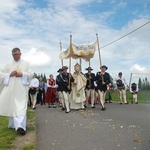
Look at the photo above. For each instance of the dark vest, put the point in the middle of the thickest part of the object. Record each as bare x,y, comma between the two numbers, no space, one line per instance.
105,78
64,81
133,87
90,82
120,84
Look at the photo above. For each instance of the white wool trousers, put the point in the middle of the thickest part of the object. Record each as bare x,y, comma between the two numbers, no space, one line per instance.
61,98
66,97
135,97
102,97
122,94
89,93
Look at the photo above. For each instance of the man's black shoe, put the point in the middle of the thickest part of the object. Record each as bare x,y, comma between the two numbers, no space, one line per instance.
103,108
63,108
21,131
85,106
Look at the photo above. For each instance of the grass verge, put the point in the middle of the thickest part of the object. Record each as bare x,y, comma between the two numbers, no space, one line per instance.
143,96
10,140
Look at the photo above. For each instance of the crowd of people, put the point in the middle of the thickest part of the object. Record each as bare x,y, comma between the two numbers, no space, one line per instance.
79,91
72,91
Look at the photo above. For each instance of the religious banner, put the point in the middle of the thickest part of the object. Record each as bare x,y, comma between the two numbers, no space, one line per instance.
84,51
64,54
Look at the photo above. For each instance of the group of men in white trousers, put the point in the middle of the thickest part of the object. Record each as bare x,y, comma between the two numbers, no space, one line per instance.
122,87
90,89
64,92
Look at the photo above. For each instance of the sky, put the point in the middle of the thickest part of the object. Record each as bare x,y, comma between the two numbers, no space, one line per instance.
38,26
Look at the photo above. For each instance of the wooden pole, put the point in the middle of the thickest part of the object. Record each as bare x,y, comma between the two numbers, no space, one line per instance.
70,58
100,60
81,64
89,63
130,80
89,74
60,51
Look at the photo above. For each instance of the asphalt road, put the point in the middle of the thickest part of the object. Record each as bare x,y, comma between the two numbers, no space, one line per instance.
120,127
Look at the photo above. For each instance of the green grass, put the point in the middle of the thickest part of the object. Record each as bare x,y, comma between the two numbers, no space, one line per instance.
143,96
6,135
9,136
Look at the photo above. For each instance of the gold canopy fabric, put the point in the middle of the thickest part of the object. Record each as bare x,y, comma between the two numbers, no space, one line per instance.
84,51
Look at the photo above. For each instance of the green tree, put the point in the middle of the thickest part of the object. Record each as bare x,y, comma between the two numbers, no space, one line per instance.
140,84
44,78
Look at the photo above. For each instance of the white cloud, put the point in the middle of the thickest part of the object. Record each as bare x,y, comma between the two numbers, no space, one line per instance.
10,5
137,68
37,58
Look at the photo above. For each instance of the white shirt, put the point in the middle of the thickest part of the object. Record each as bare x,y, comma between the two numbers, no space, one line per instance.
34,83
122,78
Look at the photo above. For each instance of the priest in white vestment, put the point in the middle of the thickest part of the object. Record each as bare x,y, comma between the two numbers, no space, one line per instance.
78,89
15,78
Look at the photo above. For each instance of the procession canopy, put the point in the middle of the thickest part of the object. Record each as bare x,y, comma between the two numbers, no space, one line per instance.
84,51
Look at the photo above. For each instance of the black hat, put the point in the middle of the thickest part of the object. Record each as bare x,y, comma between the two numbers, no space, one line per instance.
88,68
104,67
133,84
60,70
64,67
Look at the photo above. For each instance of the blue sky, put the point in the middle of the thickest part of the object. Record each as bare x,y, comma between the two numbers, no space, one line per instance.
37,26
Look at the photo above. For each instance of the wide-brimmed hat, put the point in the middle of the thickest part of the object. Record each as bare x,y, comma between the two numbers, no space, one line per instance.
64,67
103,66
88,68
60,70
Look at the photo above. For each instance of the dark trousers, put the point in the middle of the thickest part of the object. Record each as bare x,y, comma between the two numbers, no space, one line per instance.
41,96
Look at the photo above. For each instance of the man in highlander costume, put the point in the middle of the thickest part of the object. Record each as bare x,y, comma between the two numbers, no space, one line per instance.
65,80
90,87
121,87
102,80
14,95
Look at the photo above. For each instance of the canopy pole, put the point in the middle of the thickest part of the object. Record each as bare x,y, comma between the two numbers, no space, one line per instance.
60,51
81,64
100,60
90,74
70,59
89,63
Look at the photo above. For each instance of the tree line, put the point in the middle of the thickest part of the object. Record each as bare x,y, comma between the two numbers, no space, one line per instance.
43,76
143,84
